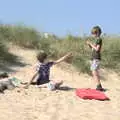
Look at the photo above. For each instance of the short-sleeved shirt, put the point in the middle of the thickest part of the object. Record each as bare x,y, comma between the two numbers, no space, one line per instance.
44,72
97,54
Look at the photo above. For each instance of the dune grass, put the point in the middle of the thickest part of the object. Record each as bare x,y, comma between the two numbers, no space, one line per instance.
56,47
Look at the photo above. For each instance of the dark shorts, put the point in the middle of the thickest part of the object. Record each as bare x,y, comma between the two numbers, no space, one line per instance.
40,82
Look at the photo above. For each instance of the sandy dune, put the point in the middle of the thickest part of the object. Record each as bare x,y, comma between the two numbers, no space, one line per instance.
41,104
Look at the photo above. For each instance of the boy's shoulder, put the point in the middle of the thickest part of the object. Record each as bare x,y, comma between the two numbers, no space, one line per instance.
44,64
50,63
37,66
98,40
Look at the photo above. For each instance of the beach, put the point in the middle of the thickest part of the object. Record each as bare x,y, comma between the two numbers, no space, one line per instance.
41,104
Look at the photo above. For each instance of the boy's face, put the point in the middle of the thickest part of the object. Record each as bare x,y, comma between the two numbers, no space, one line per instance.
95,35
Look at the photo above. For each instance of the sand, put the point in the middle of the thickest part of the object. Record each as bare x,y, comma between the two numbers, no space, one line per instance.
42,104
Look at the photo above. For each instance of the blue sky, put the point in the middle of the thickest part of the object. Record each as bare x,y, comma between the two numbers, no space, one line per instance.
63,16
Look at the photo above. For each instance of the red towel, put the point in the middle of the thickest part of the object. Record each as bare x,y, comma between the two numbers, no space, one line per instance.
91,94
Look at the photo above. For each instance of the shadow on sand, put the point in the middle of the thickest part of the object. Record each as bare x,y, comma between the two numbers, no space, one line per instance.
66,88
11,64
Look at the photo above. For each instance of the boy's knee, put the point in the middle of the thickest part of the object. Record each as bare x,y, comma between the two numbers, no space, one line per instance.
95,72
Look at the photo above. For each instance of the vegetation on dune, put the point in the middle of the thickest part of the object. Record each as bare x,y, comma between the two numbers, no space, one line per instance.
57,47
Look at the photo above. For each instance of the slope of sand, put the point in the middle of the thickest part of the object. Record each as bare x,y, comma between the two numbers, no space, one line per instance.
41,104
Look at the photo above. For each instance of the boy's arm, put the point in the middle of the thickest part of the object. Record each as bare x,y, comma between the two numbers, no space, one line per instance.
33,77
97,48
63,58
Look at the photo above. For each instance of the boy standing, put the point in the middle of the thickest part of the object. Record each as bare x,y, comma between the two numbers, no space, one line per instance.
96,55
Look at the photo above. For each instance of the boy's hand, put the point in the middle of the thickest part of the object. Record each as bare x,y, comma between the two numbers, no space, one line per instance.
88,42
69,57
69,54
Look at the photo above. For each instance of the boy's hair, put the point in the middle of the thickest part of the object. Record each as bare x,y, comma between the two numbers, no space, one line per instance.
4,75
96,30
41,56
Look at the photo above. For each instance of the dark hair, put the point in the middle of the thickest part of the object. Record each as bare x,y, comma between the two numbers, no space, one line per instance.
4,75
41,56
96,30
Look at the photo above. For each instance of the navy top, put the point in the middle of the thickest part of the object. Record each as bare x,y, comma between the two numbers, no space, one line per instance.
44,72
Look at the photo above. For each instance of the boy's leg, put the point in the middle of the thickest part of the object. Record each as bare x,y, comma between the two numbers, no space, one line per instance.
10,85
42,86
95,73
96,77
52,85
58,83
